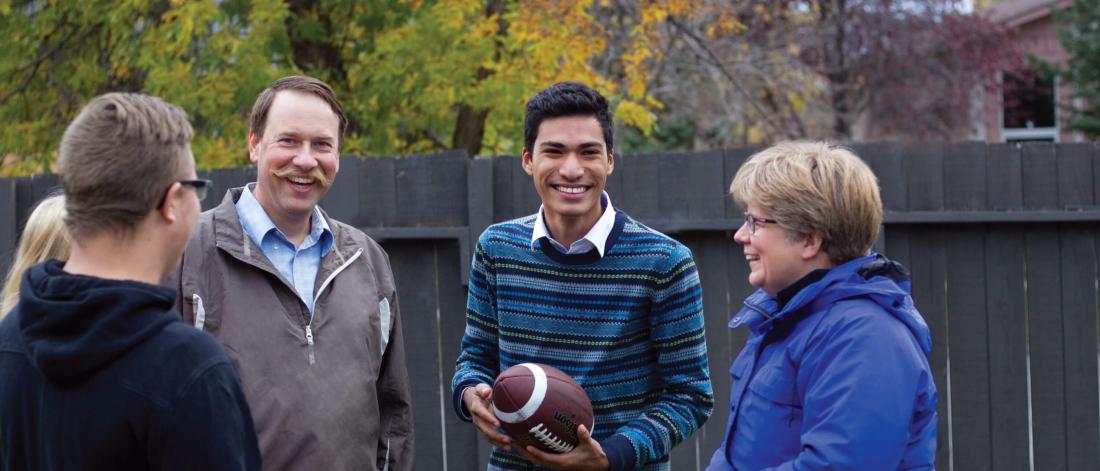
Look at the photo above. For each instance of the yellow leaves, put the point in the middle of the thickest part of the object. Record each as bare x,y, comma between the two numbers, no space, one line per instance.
634,114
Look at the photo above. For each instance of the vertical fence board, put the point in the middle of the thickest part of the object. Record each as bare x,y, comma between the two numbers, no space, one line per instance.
733,160
713,274
1004,177
964,171
1004,267
1040,175
673,200
448,179
1044,311
968,343
886,160
24,201
479,195
503,202
525,200
9,236
706,195
412,175
924,170
342,201
461,438
1080,339
415,273
1075,185
378,194
686,454
928,267
641,188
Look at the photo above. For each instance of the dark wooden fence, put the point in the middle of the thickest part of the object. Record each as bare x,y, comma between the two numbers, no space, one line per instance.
1001,241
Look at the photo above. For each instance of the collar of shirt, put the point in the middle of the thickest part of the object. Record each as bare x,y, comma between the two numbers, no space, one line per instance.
596,237
257,224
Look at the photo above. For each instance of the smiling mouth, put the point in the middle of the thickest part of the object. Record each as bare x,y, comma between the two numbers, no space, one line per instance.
304,181
751,258
572,190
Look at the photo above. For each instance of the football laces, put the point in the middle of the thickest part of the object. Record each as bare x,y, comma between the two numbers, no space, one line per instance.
547,438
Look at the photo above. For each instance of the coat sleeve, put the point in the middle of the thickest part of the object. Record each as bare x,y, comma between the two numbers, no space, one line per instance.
686,400
479,360
395,442
861,378
209,426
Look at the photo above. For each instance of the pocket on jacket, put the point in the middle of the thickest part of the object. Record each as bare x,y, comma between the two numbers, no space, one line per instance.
777,385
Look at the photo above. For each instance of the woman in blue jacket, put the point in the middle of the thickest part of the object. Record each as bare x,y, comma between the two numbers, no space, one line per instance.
835,372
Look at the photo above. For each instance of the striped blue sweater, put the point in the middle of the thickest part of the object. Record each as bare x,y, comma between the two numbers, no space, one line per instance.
628,327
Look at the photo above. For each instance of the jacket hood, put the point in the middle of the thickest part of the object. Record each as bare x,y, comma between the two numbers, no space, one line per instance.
74,326
874,277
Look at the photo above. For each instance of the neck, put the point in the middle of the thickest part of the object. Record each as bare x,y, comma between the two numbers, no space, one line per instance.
567,230
138,258
295,229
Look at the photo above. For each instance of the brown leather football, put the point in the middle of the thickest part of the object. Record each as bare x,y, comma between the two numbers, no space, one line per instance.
542,406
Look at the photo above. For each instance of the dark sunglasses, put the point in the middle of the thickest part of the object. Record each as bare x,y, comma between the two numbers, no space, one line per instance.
201,186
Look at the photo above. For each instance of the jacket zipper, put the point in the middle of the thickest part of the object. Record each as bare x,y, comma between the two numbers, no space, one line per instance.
309,328
758,309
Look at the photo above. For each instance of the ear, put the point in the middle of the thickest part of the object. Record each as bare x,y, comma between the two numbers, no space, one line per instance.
811,246
253,144
527,165
610,162
168,210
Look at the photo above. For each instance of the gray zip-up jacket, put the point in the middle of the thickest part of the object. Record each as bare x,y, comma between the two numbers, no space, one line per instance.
327,393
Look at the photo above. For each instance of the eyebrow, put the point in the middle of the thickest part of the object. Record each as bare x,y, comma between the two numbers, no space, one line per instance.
558,145
298,136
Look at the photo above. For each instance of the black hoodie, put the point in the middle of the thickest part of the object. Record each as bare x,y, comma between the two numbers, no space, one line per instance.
100,374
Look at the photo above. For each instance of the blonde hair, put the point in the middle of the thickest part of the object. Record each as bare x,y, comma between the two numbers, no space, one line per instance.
814,188
44,237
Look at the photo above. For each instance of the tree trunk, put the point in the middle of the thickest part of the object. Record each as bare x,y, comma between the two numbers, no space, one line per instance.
470,122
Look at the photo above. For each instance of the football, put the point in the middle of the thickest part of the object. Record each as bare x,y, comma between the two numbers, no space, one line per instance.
540,405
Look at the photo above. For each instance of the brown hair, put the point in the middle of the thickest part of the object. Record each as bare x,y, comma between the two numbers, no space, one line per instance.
257,118
117,159
44,237
815,188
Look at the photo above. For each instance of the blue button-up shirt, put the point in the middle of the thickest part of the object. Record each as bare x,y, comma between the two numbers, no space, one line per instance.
298,265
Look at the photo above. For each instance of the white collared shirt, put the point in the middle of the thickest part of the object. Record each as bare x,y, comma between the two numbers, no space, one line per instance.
595,238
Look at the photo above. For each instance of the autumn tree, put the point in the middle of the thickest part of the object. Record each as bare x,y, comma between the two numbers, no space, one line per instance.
414,75
831,69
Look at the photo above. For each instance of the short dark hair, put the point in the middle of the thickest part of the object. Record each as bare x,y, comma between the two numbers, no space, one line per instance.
566,99
117,158
257,119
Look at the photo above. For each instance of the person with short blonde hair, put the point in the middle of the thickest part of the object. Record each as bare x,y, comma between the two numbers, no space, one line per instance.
835,370
44,237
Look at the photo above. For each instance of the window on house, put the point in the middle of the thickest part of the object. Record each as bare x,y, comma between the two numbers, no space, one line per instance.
1029,112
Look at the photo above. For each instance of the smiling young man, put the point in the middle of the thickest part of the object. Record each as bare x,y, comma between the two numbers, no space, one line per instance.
304,304
584,288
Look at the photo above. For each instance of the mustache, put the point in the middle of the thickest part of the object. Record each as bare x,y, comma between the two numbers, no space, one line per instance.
315,173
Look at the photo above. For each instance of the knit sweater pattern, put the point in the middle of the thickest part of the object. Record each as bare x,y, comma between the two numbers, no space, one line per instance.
628,327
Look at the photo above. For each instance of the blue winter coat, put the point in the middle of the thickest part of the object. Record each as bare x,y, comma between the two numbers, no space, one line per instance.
836,379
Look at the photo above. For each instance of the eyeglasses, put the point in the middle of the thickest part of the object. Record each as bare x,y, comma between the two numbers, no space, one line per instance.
752,221
201,186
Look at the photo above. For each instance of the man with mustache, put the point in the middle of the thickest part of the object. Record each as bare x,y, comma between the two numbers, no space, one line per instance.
304,304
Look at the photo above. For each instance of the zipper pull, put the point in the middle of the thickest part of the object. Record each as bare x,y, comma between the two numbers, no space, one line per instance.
309,341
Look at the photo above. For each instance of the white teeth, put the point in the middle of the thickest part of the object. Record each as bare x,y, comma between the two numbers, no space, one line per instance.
751,258
570,189
301,180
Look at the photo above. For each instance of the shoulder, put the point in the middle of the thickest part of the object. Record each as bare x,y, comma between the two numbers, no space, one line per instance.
648,242
516,232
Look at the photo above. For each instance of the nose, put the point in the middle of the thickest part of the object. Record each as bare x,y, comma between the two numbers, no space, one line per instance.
743,234
571,167
305,159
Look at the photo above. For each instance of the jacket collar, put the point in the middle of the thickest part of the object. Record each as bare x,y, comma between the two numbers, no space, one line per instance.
230,236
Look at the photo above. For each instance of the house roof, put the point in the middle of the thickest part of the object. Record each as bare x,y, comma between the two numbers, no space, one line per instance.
1014,13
